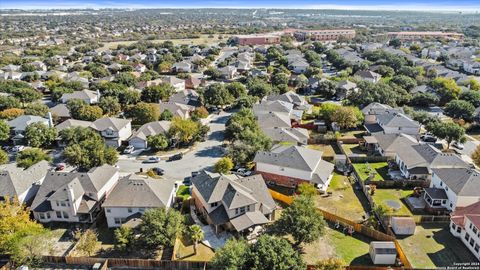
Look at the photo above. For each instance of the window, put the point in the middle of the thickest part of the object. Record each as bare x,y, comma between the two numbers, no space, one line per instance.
141,209
117,220
109,210
248,207
441,184
236,211
41,215
48,215
63,204
129,210
459,229
453,226
446,188
242,209
467,236
474,229
477,247
59,214
65,215
444,201
215,204
472,242
470,225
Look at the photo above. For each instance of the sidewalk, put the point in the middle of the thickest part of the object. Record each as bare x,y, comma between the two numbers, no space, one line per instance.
210,239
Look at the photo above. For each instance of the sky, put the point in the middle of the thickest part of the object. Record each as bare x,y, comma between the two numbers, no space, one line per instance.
416,5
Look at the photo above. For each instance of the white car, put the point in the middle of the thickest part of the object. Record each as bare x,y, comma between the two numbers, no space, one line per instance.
18,148
458,145
129,149
152,160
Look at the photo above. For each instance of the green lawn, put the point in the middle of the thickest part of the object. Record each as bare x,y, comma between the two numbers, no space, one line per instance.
353,148
379,168
353,250
345,201
184,192
327,149
185,251
433,247
393,196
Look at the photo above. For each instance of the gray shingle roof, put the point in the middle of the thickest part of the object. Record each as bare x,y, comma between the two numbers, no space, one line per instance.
109,122
291,157
83,94
20,123
396,119
248,220
14,180
151,129
72,123
462,181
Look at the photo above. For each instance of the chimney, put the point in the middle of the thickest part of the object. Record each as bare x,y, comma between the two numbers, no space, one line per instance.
98,95
50,119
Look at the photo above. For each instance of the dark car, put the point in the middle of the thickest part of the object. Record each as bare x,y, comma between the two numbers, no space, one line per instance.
176,157
158,171
195,173
428,138
60,167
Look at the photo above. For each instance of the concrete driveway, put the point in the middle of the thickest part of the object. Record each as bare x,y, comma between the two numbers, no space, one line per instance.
203,156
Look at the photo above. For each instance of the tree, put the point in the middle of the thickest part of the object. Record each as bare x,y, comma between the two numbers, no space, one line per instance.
405,82
156,93
232,256
330,264
31,156
17,230
273,253
40,135
27,95
471,96
280,78
200,113
196,234
36,108
86,241
326,88
143,113
448,131
124,238
217,95
236,89
224,165
89,113
424,99
347,117
160,227
327,110
302,220
4,131
396,43
74,135
90,153
11,113
307,189
476,156
110,105
3,157
446,88
9,102
460,109
183,130
157,142
166,115
258,87
125,78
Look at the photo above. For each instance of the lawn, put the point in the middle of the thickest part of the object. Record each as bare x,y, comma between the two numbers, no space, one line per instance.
434,246
387,197
380,169
353,149
345,201
184,192
203,39
327,149
185,251
353,250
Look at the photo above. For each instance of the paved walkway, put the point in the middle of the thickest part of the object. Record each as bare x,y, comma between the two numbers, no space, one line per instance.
210,239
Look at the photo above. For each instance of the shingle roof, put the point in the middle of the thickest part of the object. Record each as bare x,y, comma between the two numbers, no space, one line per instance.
248,220
462,181
20,123
151,129
83,94
14,180
72,123
291,157
138,191
396,119
274,119
60,110
109,122
471,212
281,134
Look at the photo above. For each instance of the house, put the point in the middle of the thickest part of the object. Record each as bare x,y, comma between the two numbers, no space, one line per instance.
403,225
232,203
368,75
292,165
383,252
183,66
423,89
140,68
228,72
187,97
177,83
273,119
22,183
298,136
133,195
388,144
72,123
60,112
453,187
178,109
465,225
90,97
193,83
472,67
113,130
139,137
19,125
73,196
380,118
299,66
345,88
299,102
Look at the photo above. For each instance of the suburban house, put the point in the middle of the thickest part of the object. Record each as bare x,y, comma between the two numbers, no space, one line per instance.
183,66
193,83
472,67
297,136
388,144
22,183
19,125
453,187
368,75
113,130
379,119
228,72
417,161
72,123
187,97
177,83
345,88
177,109
139,137
465,224
73,196
232,203
292,165
299,66
299,102
133,195
60,112
90,97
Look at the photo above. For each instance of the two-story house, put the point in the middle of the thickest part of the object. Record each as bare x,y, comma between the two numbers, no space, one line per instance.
391,121
465,224
89,96
368,75
292,165
140,137
113,130
134,194
453,187
73,196
232,203
19,125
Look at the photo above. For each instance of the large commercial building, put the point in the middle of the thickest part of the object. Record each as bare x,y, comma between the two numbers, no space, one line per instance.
322,35
427,34
257,39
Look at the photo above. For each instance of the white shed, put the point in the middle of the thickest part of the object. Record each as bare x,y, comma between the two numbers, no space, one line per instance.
403,225
383,252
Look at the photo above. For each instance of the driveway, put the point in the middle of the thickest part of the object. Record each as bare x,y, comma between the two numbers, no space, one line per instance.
203,156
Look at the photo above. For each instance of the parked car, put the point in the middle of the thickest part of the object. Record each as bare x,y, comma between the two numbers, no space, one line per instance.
158,170
129,149
60,167
18,148
195,173
176,157
428,138
458,145
152,160
187,181
244,172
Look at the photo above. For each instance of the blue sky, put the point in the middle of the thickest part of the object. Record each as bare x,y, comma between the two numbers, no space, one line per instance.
442,5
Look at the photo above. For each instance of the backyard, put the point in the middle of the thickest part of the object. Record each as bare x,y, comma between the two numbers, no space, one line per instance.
392,199
353,250
183,192
380,170
185,251
345,201
433,247
353,149
327,149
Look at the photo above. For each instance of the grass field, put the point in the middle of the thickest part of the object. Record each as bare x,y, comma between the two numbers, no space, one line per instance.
433,247
380,169
203,39
185,251
384,196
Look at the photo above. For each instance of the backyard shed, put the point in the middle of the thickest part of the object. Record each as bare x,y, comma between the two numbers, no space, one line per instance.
383,252
403,225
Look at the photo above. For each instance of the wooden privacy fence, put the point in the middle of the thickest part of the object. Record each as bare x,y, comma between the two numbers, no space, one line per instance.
359,228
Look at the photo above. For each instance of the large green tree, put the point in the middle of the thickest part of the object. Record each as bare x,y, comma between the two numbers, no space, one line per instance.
4,131
448,131
160,227
31,156
40,135
232,256
273,253
89,153
217,95
156,93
